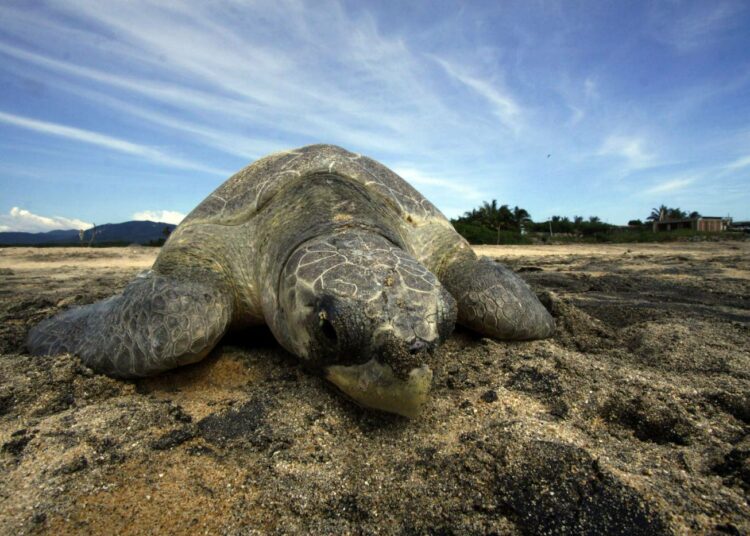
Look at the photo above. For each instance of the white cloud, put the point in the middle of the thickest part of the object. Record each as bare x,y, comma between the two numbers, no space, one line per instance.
221,78
740,163
19,219
102,140
578,115
271,86
630,148
590,88
240,73
246,147
671,185
504,105
161,216
687,27
417,178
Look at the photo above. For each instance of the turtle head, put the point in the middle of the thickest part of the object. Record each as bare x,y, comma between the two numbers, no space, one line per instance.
367,315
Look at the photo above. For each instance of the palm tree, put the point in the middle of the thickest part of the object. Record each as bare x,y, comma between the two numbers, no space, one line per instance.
473,215
520,216
676,214
506,216
496,217
657,212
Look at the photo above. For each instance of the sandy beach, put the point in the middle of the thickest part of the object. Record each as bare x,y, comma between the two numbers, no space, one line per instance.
633,419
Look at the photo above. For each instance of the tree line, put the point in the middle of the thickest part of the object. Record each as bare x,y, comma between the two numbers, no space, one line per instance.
669,214
492,223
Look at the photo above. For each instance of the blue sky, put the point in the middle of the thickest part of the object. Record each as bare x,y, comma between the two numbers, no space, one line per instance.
111,111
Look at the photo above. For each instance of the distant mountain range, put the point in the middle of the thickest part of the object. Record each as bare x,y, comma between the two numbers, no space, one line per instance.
129,232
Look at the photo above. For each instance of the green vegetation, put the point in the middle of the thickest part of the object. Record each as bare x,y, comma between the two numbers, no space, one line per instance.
159,242
620,235
671,214
493,224
476,233
499,224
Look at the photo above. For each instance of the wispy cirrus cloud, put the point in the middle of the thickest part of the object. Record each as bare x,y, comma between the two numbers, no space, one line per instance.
210,63
630,148
739,163
694,24
218,79
590,88
212,67
102,140
419,179
704,180
19,219
671,185
504,105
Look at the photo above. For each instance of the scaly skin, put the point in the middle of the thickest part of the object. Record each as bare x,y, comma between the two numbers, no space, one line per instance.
156,324
352,296
340,258
494,301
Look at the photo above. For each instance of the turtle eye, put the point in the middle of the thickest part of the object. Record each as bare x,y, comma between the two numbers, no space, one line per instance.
328,330
326,327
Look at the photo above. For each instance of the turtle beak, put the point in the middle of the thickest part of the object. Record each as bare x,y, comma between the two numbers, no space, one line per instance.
375,386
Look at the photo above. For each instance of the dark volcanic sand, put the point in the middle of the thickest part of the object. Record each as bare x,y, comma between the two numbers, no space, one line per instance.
634,419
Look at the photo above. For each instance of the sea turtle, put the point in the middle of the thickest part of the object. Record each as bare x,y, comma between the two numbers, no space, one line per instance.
353,271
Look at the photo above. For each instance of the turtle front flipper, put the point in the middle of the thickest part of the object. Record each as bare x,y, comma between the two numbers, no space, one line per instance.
494,301
156,324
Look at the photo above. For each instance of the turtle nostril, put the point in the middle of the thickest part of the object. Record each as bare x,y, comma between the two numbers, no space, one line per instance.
417,346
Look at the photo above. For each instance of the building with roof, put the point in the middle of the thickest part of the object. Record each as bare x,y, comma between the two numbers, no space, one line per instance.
704,224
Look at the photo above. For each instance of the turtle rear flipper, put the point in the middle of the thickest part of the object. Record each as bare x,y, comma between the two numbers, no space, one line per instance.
156,324
494,301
